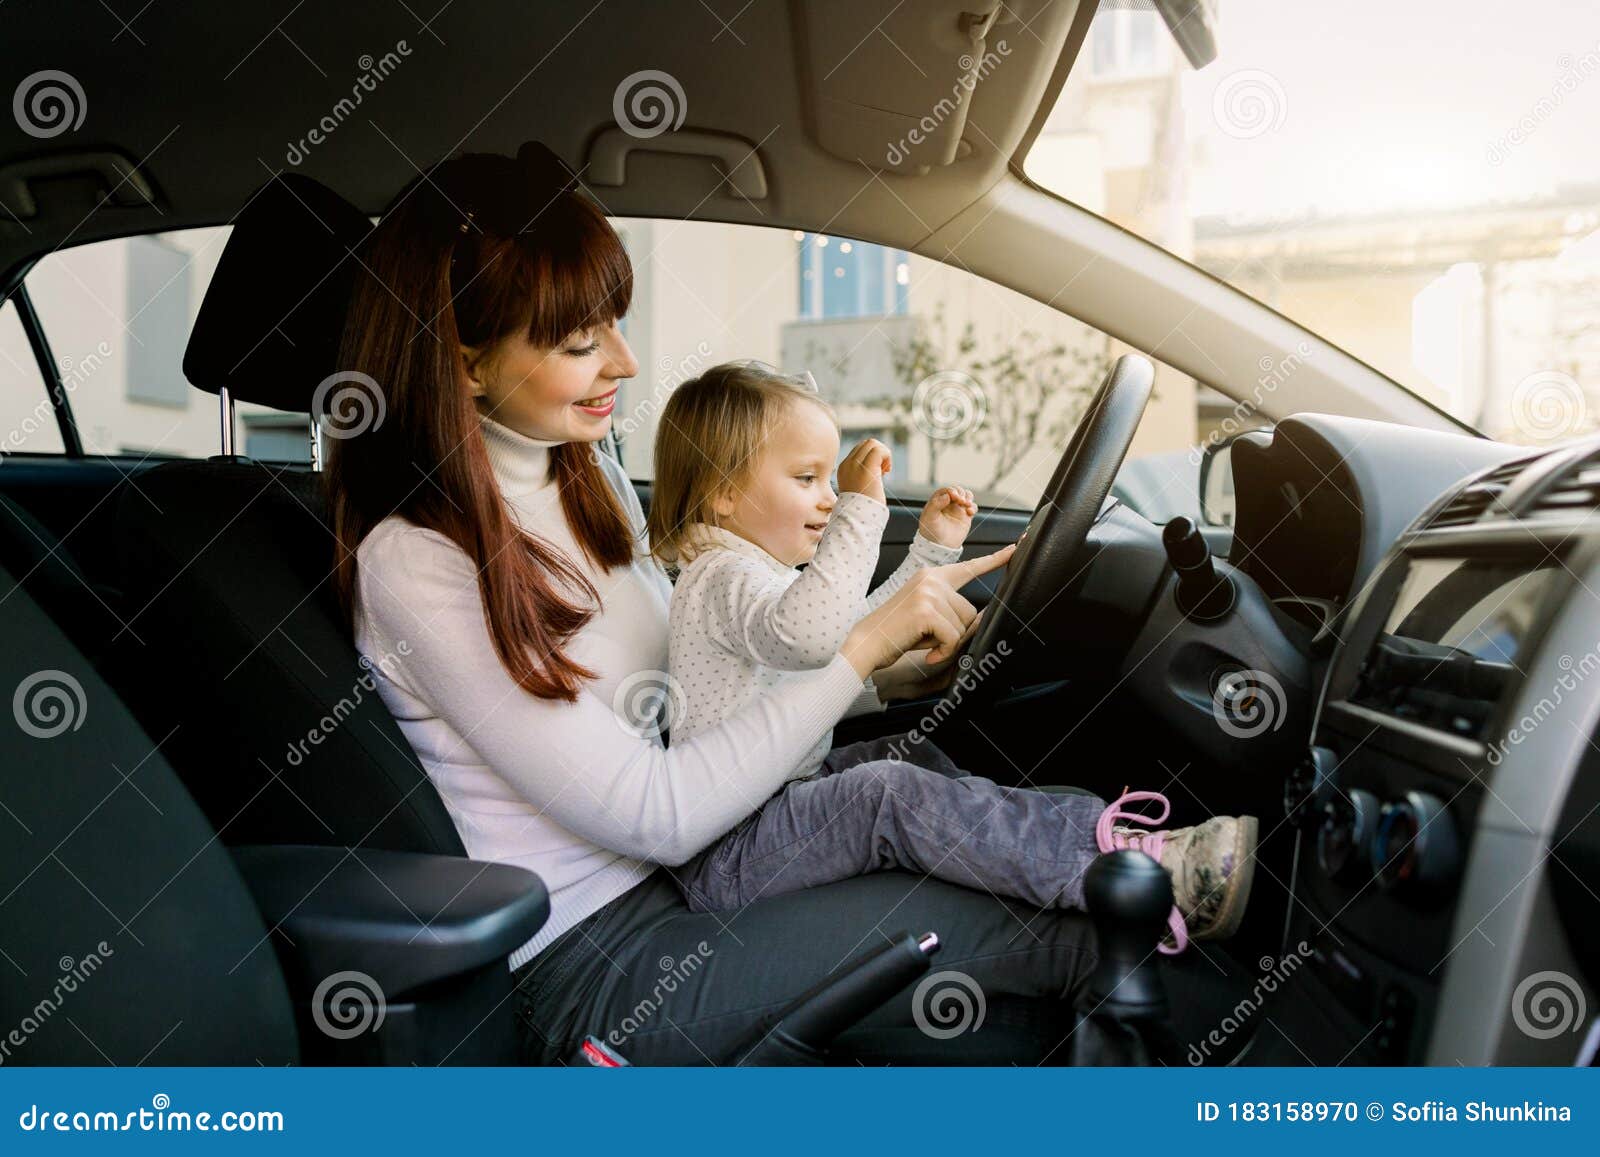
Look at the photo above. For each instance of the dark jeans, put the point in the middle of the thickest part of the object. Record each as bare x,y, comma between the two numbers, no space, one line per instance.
666,986
897,803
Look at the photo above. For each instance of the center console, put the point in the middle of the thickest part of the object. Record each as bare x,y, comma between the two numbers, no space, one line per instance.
1450,731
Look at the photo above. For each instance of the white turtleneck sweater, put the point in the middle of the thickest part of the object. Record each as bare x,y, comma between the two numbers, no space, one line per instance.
579,793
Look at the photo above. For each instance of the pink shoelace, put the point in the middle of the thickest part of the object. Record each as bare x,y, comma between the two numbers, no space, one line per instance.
1150,843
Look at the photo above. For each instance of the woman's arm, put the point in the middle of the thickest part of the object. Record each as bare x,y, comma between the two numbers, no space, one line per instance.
793,624
578,762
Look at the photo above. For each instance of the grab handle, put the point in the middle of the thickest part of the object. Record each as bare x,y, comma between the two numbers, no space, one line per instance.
736,157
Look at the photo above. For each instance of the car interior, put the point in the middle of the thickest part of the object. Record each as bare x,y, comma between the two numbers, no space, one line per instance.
1355,658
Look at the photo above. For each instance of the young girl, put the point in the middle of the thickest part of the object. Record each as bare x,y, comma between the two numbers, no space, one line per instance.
740,500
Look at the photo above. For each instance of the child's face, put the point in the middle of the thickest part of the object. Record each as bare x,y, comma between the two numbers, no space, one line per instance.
787,499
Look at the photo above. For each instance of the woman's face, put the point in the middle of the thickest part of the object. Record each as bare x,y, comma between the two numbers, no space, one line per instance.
564,394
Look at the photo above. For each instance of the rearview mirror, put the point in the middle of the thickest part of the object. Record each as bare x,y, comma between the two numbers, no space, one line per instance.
1193,24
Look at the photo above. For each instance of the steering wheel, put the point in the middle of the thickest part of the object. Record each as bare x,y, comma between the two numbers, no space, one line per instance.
1042,566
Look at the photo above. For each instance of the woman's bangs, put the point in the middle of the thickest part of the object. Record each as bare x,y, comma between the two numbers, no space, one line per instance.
581,279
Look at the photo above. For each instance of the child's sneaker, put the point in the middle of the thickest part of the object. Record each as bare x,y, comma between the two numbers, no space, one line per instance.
1211,865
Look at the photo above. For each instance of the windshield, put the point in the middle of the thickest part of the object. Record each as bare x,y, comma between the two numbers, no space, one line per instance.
1417,182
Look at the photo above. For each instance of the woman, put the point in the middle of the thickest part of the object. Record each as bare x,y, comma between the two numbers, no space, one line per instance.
492,566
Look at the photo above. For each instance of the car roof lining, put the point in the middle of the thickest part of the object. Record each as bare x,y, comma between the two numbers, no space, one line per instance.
205,158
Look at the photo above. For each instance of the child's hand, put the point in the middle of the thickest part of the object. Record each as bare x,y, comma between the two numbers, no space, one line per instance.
947,517
863,469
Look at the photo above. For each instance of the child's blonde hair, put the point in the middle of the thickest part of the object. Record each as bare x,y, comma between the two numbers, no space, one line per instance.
712,431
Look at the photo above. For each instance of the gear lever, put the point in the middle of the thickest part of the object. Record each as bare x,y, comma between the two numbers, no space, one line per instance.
1123,1016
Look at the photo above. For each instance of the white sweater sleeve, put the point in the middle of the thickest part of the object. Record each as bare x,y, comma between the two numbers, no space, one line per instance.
866,702
797,624
578,762
924,552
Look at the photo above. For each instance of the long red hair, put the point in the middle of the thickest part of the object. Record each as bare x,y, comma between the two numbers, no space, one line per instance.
451,264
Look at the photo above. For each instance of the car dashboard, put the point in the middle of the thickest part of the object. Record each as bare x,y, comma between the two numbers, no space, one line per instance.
1321,498
1445,895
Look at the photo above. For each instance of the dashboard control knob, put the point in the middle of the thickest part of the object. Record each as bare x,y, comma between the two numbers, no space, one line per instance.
1415,851
1348,821
1308,785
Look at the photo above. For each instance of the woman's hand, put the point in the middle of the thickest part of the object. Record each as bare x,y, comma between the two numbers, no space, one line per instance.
863,469
911,676
929,611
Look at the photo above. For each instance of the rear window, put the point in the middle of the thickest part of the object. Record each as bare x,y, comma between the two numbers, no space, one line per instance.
118,315
27,420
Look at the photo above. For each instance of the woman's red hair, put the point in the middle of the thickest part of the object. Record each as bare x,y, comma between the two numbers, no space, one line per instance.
433,280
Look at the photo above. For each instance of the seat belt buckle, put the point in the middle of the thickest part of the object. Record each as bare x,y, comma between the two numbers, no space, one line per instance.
594,1051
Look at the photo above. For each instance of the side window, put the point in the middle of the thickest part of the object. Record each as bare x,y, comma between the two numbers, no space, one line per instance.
967,382
118,316
27,419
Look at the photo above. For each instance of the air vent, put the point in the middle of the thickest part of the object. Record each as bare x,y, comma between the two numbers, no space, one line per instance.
1473,499
1576,494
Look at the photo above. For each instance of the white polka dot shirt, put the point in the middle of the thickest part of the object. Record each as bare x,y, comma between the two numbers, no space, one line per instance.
743,625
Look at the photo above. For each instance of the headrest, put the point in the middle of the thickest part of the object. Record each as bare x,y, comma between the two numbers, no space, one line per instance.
270,324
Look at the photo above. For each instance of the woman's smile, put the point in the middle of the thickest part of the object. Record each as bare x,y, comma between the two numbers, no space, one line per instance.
600,405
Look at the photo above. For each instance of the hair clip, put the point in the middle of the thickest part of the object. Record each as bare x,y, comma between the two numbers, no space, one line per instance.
544,170
800,381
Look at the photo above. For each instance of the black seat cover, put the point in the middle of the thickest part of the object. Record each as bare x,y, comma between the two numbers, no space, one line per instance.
126,933
50,574
275,727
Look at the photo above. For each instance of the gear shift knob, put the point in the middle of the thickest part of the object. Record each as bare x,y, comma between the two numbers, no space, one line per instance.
1129,896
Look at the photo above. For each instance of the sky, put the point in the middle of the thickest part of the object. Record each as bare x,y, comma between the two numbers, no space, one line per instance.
1364,105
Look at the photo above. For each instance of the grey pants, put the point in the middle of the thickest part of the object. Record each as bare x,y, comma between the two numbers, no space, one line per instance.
894,803
666,986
